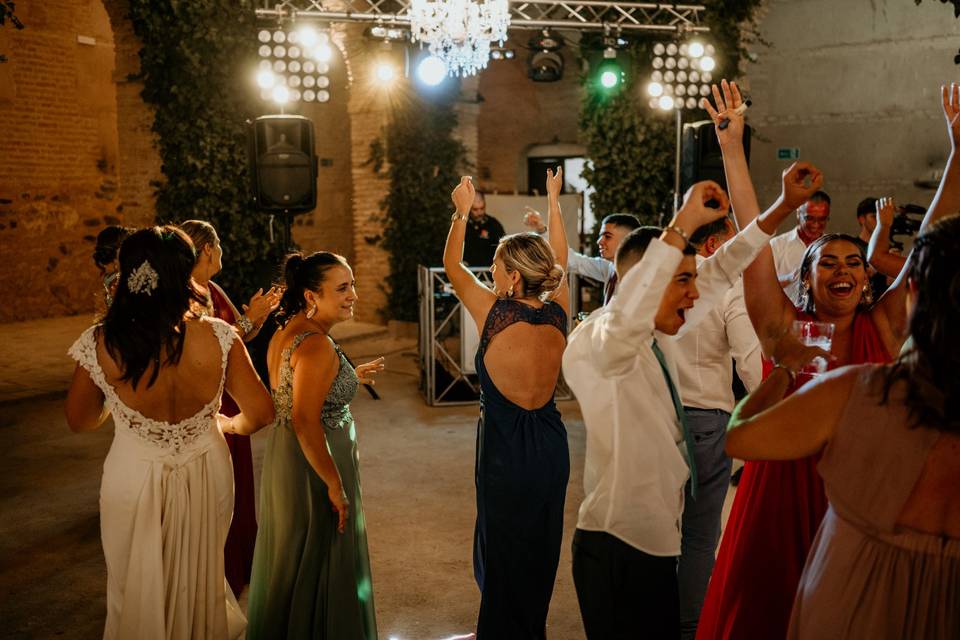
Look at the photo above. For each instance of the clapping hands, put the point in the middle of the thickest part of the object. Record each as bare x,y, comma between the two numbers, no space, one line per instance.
800,181
262,304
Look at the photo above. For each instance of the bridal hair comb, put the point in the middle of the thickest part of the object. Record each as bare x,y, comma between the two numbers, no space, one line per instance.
144,279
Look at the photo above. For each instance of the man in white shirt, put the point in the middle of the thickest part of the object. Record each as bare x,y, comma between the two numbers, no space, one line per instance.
613,228
621,363
788,248
705,377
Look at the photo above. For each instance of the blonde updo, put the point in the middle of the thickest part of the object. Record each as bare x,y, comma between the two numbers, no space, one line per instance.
532,257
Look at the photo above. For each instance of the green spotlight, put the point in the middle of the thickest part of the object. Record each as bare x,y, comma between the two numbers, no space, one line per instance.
610,74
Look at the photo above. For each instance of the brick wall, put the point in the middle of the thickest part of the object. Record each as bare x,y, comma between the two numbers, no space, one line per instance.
61,164
517,113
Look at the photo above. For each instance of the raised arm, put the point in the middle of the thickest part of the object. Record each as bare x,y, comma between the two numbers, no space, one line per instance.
769,307
890,311
477,298
878,252
557,234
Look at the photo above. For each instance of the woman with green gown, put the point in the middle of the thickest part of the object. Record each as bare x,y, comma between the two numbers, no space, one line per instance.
311,568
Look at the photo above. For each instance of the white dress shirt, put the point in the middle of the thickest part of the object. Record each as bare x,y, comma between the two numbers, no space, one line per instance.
704,356
788,250
635,467
593,267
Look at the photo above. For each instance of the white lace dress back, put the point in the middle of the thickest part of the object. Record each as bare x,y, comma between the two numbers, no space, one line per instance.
166,500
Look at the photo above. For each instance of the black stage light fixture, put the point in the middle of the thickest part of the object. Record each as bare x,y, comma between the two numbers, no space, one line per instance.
545,63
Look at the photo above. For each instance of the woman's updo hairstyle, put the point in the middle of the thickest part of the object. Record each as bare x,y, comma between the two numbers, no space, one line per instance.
302,273
806,265
145,326
532,257
201,233
108,245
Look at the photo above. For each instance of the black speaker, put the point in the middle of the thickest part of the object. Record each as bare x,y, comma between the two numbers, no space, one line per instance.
283,164
700,156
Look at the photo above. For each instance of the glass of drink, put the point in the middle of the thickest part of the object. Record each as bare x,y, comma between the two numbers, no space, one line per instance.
814,334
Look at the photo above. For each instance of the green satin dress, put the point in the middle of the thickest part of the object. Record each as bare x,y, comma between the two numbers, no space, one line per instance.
308,580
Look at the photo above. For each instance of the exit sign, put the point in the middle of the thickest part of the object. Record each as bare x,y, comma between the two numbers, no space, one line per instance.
788,153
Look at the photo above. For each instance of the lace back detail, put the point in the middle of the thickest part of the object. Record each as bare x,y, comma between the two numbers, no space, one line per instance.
506,312
155,432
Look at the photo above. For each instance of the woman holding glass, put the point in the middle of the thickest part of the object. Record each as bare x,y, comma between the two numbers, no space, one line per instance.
779,504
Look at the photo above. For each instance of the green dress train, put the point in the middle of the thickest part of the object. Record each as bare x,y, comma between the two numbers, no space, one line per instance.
308,580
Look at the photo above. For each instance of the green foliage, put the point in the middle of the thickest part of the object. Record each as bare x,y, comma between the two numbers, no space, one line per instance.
422,160
630,146
195,59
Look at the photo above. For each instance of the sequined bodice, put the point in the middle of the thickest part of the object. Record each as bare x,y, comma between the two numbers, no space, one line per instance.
336,407
167,436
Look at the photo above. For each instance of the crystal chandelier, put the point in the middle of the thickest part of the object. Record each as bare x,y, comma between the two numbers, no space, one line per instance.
460,31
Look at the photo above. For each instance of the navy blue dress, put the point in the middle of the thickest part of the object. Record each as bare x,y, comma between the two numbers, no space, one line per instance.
522,468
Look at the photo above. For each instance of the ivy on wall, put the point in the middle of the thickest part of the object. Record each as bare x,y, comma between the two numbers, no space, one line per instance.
630,146
194,63
419,153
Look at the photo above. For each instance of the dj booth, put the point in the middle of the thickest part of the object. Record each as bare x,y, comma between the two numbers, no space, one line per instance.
449,340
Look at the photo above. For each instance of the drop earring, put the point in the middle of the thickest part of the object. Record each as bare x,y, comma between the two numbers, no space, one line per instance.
866,297
311,311
510,291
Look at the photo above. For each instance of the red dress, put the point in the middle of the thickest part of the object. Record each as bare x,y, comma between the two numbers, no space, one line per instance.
775,516
238,551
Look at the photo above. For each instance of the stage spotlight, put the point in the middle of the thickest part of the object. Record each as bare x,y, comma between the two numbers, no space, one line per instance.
609,72
695,49
307,36
266,79
655,89
280,94
323,52
385,73
707,63
431,71
665,103
545,63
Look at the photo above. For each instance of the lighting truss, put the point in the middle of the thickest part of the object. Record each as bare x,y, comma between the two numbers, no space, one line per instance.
582,15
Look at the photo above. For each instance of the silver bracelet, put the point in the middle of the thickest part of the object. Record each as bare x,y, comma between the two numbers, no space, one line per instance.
245,324
680,232
790,372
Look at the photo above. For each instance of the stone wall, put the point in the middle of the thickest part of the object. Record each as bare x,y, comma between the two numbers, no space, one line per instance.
63,156
855,86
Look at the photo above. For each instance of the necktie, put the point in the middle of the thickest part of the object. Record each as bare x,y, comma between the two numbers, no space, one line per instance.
609,288
681,416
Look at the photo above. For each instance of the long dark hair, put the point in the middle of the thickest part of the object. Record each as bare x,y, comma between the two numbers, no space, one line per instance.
145,325
108,244
929,370
301,273
806,265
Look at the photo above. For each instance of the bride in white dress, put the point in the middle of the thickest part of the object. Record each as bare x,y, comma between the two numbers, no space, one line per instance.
166,497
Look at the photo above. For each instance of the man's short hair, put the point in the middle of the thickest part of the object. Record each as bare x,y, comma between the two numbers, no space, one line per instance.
635,244
820,196
702,234
625,220
867,205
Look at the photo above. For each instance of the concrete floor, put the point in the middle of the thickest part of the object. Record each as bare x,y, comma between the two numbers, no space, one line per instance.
417,468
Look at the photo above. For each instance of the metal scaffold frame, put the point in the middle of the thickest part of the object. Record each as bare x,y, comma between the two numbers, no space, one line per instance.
582,15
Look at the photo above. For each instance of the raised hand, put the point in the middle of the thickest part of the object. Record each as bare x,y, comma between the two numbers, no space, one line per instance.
533,219
367,370
463,194
885,211
554,183
726,98
951,111
789,351
800,181
695,213
262,304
